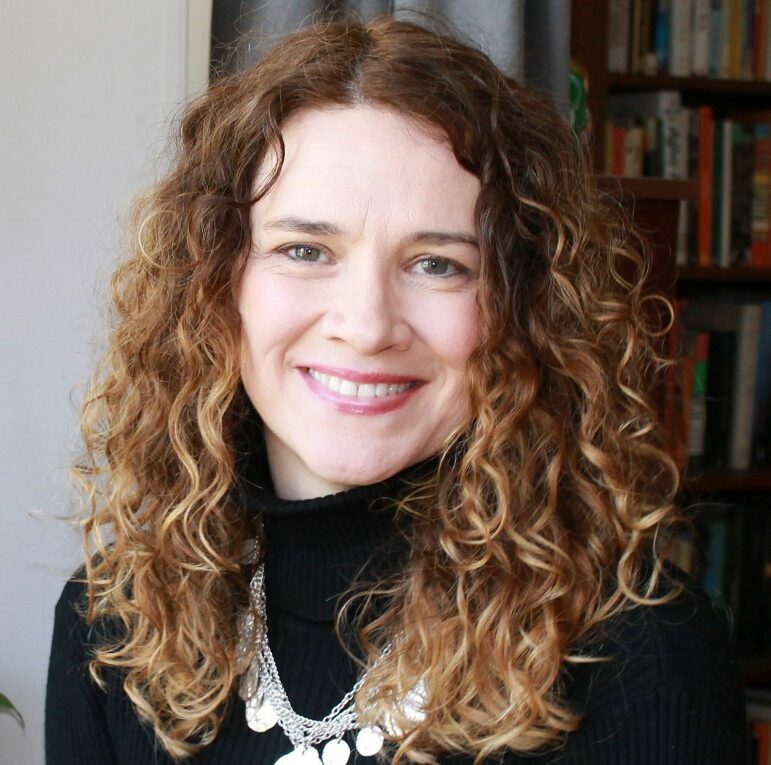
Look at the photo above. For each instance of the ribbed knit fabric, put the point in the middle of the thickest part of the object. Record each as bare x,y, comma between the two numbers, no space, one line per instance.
672,695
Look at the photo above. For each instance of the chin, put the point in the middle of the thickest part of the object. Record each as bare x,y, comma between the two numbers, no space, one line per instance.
360,473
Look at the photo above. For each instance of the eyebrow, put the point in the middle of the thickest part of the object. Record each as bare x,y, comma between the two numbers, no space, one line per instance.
322,228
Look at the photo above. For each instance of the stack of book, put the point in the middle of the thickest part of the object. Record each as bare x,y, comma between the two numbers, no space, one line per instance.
728,39
717,412
653,134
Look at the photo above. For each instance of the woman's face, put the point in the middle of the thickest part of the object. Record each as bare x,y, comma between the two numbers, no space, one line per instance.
359,299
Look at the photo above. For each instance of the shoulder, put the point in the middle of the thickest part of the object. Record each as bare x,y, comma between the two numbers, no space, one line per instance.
666,667
685,641
71,627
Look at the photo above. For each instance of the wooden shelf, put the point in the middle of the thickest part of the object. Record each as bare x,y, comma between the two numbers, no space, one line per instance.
717,481
650,188
618,82
736,275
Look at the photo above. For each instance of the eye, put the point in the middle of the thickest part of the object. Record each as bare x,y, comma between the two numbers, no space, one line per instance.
434,266
305,253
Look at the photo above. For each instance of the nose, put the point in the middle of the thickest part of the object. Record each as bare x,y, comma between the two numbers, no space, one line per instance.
367,312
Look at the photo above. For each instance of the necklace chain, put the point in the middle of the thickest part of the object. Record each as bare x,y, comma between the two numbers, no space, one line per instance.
267,702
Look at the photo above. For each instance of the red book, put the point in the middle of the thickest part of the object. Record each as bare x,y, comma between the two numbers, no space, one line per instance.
760,732
706,136
619,142
760,249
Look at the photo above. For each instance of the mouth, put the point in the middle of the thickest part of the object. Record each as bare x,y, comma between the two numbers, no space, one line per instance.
362,390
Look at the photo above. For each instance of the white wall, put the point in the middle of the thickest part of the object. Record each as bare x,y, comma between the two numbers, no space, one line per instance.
86,94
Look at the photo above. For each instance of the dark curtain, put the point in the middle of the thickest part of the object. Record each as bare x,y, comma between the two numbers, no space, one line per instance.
528,39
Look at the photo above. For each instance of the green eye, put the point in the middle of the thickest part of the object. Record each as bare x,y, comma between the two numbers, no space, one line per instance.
305,253
437,267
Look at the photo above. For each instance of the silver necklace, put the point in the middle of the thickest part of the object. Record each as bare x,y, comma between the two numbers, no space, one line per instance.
267,703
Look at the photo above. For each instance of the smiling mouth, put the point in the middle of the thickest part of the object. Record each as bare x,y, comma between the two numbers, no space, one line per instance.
355,390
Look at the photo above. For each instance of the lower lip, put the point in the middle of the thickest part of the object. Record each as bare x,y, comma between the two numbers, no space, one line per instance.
351,405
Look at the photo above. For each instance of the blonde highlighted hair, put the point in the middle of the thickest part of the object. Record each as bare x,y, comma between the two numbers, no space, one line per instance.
540,520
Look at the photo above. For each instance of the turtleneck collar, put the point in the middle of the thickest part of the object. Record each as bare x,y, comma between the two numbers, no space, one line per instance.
316,548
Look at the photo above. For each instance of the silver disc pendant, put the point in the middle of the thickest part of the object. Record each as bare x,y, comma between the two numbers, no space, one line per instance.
335,752
260,715
369,741
249,682
309,756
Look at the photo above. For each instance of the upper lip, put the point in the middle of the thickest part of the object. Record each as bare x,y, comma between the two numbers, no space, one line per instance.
358,376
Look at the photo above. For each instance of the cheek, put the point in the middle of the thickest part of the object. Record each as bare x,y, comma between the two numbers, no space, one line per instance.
273,311
453,331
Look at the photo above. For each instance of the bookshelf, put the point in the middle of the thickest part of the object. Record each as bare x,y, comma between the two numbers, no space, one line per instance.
721,501
748,90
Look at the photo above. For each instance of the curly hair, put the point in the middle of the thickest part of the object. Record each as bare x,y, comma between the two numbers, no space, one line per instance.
541,518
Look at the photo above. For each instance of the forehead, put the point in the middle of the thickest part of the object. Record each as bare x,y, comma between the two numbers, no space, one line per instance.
367,160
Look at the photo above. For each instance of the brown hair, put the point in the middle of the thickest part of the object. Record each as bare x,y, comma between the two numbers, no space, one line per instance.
539,522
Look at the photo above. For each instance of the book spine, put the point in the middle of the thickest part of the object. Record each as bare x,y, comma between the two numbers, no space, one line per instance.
766,43
727,32
652,158
758,42
680,39
700,38
744,388
760,253
661,34
735,39
634,141
697,420
748,38
619,142
683,234
761,733
634,42
715,37
726,194
716,198
714,574
706,130
741,196
720,381
761,436
618,35
647,63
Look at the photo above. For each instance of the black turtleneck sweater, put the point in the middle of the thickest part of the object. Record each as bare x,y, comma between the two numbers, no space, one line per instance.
671,697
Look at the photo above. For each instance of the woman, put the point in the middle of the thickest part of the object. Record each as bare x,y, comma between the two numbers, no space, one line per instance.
372,443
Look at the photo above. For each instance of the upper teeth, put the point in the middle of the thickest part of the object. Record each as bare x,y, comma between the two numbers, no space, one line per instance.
358,390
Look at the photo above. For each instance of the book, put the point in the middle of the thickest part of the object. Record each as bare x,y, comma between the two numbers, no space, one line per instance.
743,321
665,106
720,384
761,734
705,133
634,41
696,381
721,193
619,19
761,437
680,38
661,33
700,38
741,195
760,249
734,38
715,37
